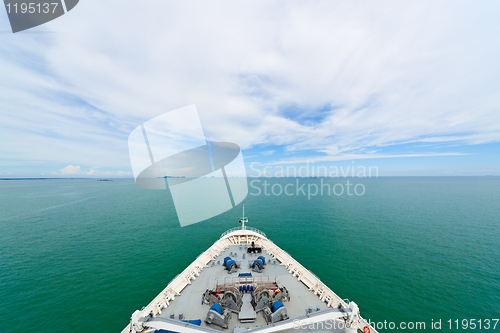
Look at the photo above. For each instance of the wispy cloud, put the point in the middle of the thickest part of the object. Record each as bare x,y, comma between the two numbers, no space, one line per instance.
346,157
327,79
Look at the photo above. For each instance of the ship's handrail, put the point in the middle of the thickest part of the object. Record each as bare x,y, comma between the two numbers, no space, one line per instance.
246,228
245,280
305,269
175,277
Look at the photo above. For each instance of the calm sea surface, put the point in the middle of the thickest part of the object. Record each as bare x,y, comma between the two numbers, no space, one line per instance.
82,255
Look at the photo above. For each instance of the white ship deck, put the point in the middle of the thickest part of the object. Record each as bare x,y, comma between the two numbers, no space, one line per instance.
184,294
189,302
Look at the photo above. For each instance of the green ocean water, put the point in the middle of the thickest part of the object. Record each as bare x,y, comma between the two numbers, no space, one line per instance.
82,255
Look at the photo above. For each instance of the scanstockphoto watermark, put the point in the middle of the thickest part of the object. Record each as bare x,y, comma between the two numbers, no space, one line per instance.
447,325
329,324
452,325
300,188
310,170
298,180
23,14
341,325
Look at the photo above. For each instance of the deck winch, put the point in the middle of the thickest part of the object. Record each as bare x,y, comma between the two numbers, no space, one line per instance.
258,264
216,316
230,265
232,299
261,298
280,294
210,297
276,313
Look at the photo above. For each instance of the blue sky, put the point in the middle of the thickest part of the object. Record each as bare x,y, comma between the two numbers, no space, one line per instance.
409,87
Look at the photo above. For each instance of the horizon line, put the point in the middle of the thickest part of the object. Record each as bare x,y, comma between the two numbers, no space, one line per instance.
323,177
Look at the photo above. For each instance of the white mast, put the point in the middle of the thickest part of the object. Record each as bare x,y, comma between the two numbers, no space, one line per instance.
243,219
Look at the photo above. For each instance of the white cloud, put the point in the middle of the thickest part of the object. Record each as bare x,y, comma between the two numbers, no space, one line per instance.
344,157
333,77
268,152
123,173
71,170
96,173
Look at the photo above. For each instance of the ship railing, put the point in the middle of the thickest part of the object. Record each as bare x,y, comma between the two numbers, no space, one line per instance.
303,268
267,281
245,280
246,228
175,277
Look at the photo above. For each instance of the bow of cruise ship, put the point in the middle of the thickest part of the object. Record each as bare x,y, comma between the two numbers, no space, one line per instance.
246,283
